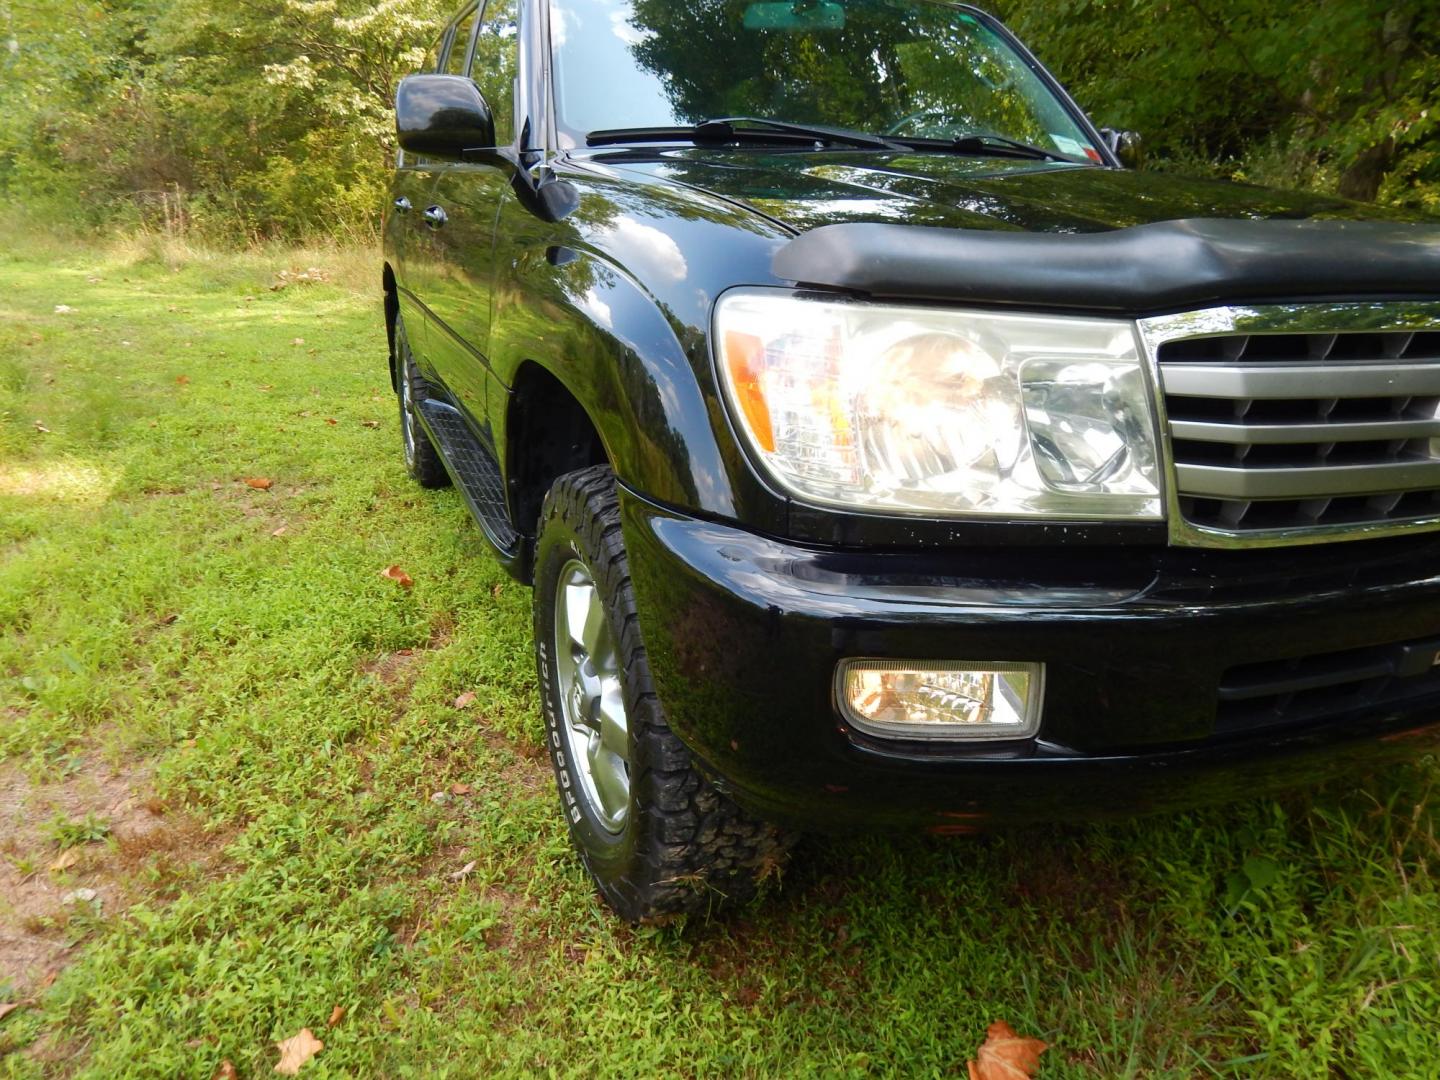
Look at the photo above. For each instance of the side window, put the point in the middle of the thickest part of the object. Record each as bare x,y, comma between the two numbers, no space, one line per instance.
459,45
497,59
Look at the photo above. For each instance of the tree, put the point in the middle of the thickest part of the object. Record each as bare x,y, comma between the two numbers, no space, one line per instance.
259,117
255,118
1337,95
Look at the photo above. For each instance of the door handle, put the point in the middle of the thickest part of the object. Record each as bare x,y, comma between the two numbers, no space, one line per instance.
435,216
402,205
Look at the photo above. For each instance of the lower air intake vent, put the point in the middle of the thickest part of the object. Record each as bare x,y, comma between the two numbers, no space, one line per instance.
1313,688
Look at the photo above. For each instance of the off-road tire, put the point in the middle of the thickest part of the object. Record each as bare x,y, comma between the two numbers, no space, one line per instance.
684,847
422,460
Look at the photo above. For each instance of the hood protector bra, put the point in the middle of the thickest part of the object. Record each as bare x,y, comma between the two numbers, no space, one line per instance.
1146,268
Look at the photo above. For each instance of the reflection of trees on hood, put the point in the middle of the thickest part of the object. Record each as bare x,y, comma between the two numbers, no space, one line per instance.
919,57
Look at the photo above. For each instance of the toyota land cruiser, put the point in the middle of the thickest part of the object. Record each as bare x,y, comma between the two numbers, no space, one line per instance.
884,451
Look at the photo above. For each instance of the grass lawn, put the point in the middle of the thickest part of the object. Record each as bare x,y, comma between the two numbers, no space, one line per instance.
217,715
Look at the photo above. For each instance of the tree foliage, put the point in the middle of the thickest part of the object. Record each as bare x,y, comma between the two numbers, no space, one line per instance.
272,117
1335,95
247,117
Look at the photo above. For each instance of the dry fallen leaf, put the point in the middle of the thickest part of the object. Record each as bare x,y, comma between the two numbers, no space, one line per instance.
336,1015
458,788
400,577
68,858
296,1051
1004,1055
265,388
331,420
496,590
298,341
259,483
225,1071
41,428
10,1006
465,700
464,872
280,531
182,380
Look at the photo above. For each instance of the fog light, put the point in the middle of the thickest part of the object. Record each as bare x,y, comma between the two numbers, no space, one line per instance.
962,699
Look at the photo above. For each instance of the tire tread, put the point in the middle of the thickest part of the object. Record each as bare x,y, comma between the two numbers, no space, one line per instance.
700,850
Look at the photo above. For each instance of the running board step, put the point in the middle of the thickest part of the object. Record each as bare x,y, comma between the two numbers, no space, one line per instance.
474,471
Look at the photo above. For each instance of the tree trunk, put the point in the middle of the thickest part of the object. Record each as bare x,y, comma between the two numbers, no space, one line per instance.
1363,178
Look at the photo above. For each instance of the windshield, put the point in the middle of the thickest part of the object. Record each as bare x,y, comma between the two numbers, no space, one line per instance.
903,68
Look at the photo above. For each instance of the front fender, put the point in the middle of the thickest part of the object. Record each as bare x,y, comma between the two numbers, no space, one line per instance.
615,302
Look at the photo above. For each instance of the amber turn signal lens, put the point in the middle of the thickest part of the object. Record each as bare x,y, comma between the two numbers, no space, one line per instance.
744,359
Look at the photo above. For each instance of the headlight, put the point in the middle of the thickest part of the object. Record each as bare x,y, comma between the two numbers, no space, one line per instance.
925,410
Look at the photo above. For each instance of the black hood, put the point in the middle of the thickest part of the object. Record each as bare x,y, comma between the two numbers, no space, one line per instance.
807,190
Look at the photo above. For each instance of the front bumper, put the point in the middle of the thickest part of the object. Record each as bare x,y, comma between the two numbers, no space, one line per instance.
744,633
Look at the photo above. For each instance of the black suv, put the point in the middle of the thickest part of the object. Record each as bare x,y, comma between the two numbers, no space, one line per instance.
882,450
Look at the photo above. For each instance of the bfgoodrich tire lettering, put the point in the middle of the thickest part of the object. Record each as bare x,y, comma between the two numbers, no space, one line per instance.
681,846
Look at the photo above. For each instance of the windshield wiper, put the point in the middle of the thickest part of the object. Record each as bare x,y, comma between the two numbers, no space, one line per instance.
985,145
745,129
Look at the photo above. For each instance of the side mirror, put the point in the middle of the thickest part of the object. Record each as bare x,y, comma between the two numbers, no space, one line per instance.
1125,145
442,115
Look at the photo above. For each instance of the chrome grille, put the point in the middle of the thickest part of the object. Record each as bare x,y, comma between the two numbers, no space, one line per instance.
1312,434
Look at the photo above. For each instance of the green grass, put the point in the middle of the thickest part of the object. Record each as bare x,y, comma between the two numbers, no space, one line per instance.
238,656
71,832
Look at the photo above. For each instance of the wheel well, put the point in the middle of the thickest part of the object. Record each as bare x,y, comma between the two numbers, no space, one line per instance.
549,434
392,313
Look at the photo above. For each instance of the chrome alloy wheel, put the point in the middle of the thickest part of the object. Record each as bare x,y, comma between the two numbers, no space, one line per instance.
587,664
407,416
